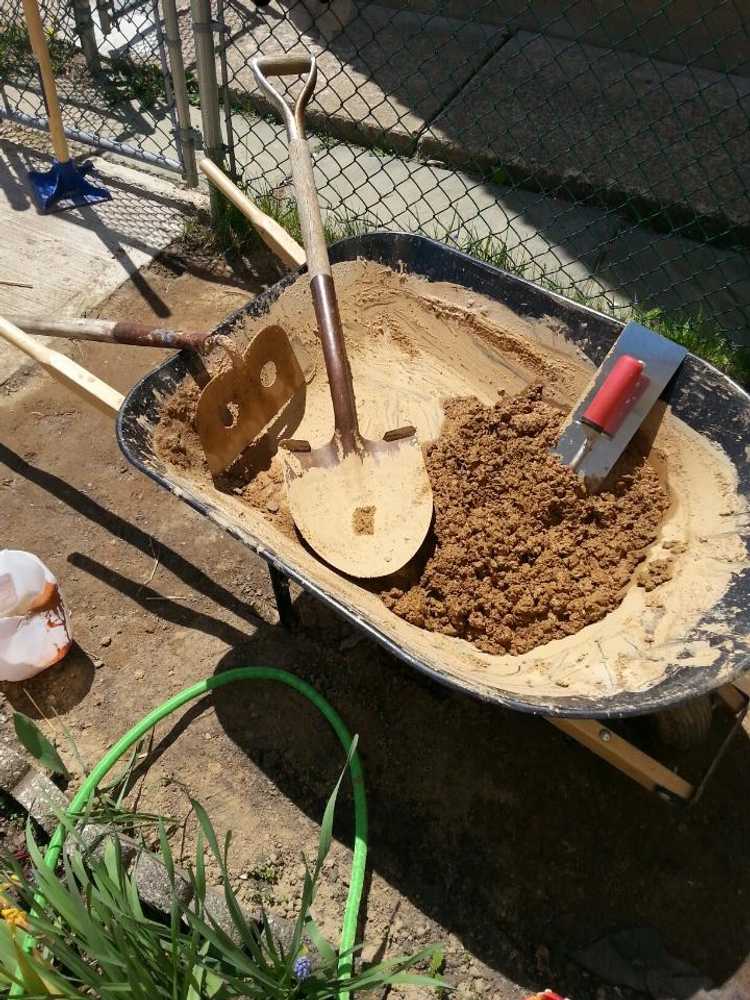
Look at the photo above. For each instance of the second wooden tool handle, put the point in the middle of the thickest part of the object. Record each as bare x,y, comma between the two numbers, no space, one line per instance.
84,383
41,52
273,235
107,331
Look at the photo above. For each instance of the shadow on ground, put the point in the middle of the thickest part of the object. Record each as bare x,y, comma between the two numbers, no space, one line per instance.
492,823
119,224
477,809
53,692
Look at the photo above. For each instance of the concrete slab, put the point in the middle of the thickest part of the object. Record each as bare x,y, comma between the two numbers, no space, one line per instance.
582,117
41,798
382,76
711,35
13,766
155,887
62,264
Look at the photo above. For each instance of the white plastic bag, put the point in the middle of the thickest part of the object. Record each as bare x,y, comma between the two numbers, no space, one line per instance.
34,627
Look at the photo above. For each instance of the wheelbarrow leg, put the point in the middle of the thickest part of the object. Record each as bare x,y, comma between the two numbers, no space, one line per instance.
280,583
639,766
646,770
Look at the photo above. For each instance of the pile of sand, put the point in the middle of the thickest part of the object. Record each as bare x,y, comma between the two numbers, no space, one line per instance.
522,554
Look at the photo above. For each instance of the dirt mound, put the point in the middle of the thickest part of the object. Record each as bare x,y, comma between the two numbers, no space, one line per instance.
522,554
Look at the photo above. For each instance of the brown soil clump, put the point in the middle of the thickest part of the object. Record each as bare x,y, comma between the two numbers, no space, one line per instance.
175,436
364,521
657,572
522,554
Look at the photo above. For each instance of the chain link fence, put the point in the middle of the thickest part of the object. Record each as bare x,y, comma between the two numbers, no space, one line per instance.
599,148
112,74
602,149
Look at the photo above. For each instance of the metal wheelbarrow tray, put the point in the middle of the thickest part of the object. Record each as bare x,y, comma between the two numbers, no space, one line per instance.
701,396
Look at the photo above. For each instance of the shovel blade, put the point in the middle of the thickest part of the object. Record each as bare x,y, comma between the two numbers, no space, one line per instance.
236,406
366,514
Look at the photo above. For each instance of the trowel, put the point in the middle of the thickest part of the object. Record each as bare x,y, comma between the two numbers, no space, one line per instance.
621,395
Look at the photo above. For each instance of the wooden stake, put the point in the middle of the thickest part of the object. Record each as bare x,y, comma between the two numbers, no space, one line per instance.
273,235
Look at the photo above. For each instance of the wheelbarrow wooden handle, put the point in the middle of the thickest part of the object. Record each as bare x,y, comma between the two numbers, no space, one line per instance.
273,235
84,383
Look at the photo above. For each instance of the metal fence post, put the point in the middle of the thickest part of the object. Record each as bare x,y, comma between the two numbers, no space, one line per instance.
85,31
205,61
225,96
185,135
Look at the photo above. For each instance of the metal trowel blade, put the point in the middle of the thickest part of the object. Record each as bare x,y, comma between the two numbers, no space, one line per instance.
593,454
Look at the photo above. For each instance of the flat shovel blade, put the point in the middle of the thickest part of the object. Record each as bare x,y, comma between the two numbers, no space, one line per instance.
365,514
237,405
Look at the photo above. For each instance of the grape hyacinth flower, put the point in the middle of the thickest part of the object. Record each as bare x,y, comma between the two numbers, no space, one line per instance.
302,967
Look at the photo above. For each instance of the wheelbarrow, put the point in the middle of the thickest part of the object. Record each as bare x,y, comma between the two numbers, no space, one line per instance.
704,398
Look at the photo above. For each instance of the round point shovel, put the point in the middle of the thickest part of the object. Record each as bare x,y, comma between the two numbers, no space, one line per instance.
364,506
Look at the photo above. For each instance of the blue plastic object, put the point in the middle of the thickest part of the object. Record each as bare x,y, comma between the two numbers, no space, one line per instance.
66,182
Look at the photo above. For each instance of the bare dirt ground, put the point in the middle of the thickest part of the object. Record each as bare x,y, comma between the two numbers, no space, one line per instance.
490,831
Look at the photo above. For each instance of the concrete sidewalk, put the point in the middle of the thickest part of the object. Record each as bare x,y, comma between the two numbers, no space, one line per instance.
582,250
559,115
60,265
586,118
572,118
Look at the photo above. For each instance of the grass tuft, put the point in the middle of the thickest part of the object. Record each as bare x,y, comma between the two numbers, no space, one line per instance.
700,334
233,234
127,80
16,54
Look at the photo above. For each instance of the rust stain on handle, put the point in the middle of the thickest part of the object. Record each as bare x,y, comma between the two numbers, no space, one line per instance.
125,332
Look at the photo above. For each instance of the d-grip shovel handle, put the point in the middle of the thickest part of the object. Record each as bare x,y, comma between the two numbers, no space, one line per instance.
313,236
294,64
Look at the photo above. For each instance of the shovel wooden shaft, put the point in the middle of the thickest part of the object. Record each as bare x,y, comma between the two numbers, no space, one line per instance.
337,364
41,53
324,295
313,237
308,207
108,331
84,383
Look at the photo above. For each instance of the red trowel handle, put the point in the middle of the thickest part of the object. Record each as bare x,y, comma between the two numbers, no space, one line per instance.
618,393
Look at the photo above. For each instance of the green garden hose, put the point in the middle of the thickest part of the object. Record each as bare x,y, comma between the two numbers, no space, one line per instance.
108,761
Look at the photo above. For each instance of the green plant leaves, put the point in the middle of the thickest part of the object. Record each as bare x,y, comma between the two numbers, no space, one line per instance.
95,938
326,825
33,739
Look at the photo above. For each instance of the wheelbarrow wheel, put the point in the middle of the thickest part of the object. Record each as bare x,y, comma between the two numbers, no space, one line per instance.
685,726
